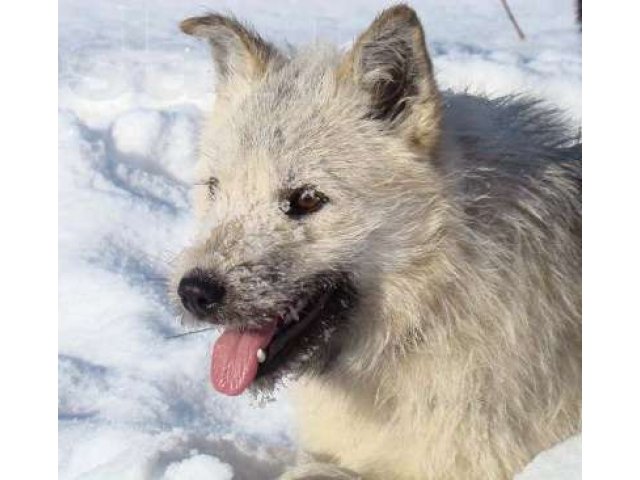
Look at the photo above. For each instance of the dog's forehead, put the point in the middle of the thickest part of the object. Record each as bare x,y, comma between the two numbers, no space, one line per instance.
292,109
292,124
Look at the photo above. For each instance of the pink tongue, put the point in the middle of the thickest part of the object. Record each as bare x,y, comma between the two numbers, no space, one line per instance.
234,362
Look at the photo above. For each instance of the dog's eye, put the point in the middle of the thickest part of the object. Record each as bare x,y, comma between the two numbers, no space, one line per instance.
211,184
304,200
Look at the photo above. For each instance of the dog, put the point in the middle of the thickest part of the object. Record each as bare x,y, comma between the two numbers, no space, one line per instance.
411,257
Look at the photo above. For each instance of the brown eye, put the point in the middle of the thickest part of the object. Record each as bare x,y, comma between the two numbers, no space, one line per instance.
304,200
212,184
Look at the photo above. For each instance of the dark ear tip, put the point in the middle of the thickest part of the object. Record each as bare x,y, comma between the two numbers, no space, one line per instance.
191,25
199,26
401,12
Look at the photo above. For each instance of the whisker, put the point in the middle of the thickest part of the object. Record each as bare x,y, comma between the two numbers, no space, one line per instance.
189,333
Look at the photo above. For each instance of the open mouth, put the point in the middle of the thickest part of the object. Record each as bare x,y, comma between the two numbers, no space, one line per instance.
244,356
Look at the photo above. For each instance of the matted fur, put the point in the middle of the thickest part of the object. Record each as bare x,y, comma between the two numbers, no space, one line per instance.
459,218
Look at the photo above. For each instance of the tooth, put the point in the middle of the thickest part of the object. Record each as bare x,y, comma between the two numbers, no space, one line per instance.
261,356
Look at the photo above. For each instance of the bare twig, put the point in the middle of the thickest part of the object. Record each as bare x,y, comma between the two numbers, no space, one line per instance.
513,19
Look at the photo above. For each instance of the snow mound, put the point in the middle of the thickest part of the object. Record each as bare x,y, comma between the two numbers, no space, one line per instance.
199,467
157,140
137,132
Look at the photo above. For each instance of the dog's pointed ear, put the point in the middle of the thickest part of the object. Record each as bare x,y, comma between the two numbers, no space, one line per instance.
390,62
237,50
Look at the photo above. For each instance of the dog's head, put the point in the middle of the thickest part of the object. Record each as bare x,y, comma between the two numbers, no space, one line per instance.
316,183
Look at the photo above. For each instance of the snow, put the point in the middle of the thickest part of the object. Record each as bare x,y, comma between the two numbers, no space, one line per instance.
562,462
137,132
134,404
199,467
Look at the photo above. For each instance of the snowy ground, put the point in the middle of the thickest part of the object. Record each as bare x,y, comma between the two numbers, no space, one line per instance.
132,403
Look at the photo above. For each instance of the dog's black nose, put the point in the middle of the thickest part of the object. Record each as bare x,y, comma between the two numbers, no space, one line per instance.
200,292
